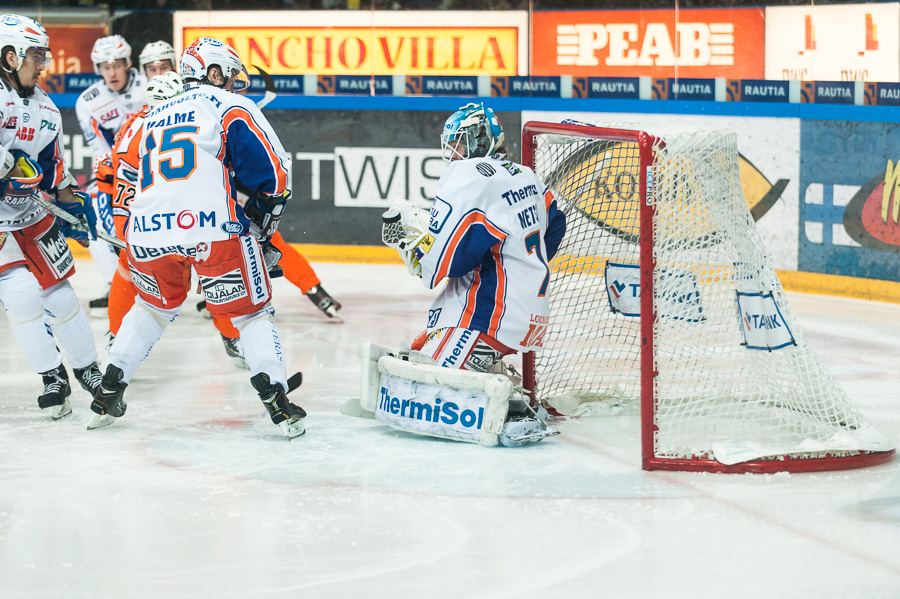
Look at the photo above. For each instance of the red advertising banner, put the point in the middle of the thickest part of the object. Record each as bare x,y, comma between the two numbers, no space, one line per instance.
71,46
701,43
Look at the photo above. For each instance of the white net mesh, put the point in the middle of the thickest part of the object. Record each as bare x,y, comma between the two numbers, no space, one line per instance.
720,391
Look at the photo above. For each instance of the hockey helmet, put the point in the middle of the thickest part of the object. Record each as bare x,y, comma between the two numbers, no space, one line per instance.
163,87
157,51
473,131
206,52
110,49
24,34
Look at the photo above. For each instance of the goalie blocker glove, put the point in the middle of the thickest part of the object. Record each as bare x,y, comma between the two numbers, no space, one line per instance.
18,188
264,212
84,211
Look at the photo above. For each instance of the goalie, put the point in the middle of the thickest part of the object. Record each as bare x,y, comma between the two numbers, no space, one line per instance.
492,230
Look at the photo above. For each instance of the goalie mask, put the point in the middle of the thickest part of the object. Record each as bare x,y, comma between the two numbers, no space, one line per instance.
206,52
163,87
473,131
24,34
110,49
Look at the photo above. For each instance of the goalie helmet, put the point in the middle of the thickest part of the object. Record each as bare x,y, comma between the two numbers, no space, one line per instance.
473,131
206,52
110,49
157,51
23,34
163,87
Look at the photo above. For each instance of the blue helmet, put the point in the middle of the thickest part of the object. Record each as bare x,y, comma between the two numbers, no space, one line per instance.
473,131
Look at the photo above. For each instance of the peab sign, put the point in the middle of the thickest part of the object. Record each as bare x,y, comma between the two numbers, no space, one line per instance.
657,43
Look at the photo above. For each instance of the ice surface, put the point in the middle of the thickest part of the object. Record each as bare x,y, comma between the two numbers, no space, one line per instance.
194,494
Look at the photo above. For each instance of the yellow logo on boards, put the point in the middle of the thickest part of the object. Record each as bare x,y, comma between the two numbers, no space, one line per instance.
372,51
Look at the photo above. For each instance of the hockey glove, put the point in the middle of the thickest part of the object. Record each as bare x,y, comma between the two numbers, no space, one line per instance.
404,227
264,212
81,208
272,256
22,181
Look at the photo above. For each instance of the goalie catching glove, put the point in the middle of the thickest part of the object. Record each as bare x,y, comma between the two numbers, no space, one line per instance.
82,209
22,180
264,212
404,227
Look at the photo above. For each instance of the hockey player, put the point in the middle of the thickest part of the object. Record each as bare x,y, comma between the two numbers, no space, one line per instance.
157,58
492,230
102,109
35,261
117,176
184,215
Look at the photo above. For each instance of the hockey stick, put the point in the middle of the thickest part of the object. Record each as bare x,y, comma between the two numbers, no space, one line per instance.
74,220
270,88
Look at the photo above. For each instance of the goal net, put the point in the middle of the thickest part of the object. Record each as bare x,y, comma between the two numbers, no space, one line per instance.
662,300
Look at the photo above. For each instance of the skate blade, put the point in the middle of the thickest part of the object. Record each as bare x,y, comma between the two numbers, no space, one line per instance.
100,421
353,408
292,430
241,363
61,411
332,312
532,437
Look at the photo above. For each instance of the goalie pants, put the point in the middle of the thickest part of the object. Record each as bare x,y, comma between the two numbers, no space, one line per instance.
41,305
464,349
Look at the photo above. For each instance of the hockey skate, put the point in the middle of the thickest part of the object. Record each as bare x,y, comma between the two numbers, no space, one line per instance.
98,307
56,392
526,427
234,350
324,301
108,404
89,377
283,413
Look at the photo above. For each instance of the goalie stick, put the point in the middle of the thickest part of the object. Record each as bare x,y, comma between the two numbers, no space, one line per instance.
270,88
74,220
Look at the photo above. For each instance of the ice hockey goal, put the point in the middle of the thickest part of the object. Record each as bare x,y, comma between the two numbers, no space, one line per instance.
661,293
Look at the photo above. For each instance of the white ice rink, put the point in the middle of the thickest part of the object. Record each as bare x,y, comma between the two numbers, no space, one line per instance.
194,494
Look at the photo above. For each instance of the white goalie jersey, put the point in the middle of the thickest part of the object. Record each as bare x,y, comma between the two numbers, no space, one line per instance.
493,229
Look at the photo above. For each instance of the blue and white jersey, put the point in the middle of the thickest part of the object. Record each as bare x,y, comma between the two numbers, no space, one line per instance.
192,149
102,112
494,228
31,125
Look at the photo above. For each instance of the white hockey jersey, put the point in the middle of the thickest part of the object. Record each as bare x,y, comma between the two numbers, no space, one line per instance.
493,229
192,149
101,112
34,126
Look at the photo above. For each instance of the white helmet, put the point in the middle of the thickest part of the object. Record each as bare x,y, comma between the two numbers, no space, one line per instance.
110,49
206,52
23,34
163,87
156,51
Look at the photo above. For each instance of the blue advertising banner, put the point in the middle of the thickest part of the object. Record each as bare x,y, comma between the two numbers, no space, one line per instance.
760,90
445,85
850,199
620,88
536,87
834,92
75,84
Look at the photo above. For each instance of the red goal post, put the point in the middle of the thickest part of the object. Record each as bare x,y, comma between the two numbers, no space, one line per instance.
662,300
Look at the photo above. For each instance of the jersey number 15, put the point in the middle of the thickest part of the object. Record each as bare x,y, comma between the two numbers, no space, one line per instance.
170,142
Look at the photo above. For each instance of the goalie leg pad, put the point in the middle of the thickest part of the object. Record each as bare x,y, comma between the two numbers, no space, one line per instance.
441,402
369,354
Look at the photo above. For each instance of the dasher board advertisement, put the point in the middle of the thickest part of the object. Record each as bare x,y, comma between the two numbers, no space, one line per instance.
697,43
851,42
412,43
